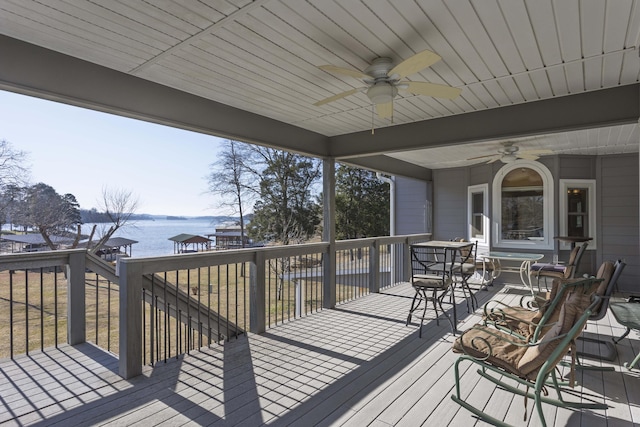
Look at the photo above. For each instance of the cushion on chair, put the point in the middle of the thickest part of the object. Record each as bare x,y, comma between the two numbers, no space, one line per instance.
535,356
605,272
468,268
516,319
496,346
430,281
541,266
523,321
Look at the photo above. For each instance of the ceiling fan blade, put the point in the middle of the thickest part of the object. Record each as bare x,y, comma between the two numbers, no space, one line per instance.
415,63
542,151
493,160
527,156
482,157
385,111
337,96
346,71
432,89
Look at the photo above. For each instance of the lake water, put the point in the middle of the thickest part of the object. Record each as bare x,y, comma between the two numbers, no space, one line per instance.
153,235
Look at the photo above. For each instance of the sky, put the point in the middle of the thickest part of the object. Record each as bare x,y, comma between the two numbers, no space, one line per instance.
81,151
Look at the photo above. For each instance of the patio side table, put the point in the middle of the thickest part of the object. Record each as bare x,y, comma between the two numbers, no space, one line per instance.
628,315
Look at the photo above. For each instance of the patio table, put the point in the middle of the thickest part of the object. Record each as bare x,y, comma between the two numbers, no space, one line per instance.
525,260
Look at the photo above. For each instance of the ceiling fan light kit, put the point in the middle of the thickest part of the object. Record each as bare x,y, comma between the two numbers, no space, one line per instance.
508,158
382,93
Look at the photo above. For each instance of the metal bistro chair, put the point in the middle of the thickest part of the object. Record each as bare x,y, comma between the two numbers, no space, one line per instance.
464,267
431,279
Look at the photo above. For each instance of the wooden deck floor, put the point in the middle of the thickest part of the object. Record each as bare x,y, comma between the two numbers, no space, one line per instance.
356,365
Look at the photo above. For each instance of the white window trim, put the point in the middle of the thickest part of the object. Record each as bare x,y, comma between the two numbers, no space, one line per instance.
474,189
547,182
589,184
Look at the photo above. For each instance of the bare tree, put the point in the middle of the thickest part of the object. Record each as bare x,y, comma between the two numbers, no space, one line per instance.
119,205
232,180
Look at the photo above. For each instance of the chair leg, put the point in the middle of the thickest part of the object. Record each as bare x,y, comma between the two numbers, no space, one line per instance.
417,297
472,295
422,296
439,300
617,340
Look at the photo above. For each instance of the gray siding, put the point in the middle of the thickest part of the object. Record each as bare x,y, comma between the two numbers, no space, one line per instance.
450,203
577,167
411,206
480,174
618,206
618,223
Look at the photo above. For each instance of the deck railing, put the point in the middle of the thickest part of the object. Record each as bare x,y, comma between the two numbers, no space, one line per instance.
151,309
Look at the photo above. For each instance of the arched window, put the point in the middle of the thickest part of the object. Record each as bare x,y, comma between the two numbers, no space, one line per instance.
523,206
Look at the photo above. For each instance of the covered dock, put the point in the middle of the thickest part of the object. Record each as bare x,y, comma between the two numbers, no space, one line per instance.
112,247
33,242
184,243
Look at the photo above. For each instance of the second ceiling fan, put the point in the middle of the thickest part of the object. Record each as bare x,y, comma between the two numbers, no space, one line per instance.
383,81
510,152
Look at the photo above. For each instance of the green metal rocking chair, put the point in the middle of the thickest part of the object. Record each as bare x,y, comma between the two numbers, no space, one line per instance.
508,361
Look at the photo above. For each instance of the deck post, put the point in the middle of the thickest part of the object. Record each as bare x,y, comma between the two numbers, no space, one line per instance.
374,267
329,232
406,261
76,317
130,361
257,294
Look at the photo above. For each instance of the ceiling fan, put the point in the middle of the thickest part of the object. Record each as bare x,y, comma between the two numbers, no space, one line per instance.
383,80
509,153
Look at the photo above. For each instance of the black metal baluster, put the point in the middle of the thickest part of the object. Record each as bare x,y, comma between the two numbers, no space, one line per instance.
41,308
209,290
199,308
11,272
26,308
144,328
236,304
97,312
151,320
178,314
108,315
188,342
55,304
218,298
167,325
227,309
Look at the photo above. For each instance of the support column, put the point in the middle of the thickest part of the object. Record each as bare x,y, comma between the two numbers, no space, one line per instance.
329,231
375,277
76,310
130,361
257,295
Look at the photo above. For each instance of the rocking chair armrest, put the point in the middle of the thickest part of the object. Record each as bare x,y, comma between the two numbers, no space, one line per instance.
534,303
478,341
487,309
506,320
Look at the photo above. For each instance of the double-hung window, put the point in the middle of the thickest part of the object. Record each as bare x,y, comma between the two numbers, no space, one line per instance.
577,210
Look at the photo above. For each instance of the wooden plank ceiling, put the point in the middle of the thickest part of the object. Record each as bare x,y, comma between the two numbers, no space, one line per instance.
262,56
